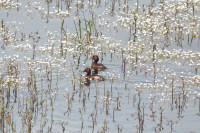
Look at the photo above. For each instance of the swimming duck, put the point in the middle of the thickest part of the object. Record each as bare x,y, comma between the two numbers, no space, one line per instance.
95,65
92,77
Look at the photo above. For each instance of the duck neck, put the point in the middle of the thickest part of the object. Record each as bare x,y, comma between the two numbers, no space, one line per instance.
88,73
95,61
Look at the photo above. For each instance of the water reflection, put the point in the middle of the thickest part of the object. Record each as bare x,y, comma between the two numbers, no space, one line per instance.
87,82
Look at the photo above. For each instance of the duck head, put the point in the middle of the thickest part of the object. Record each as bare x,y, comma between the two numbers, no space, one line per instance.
87,70
95,58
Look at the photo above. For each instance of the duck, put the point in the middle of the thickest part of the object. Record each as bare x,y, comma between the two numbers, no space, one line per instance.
97,66
88,76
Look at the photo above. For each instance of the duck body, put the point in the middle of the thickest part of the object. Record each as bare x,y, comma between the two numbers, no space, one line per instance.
88,76
97,66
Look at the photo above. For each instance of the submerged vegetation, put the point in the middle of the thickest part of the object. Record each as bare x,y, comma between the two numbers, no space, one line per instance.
151,50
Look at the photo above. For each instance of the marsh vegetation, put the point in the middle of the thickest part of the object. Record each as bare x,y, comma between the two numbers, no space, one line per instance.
151,49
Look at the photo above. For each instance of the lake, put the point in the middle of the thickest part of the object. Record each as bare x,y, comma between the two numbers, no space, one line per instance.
151,50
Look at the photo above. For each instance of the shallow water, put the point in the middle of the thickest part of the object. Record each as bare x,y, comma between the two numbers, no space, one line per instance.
151,51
